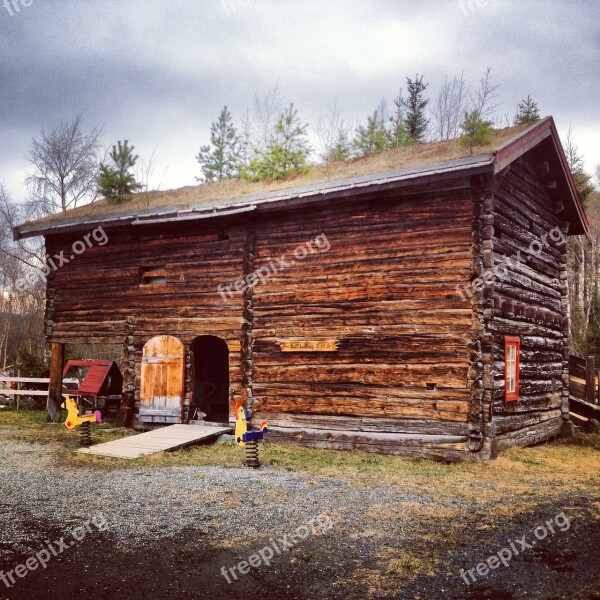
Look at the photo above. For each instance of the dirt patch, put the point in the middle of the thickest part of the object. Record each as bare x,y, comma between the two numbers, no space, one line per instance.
190,565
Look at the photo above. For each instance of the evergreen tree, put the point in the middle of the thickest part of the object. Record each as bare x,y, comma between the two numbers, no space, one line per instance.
383,131
117,180
335,136
341,147
415,121
527,112
476,131
583,181
221,159
592,337
372,138
397,134
287,150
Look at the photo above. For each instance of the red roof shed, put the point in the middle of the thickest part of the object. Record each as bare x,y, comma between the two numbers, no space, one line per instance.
96,377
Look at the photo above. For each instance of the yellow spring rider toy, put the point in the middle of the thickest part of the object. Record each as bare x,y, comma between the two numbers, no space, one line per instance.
74,419
246,438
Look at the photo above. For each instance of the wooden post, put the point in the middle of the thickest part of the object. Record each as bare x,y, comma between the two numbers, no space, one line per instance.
57,358
590,384
18,395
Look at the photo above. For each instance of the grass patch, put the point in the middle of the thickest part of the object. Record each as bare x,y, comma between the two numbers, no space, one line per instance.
582,440
32,426
409,566
571,464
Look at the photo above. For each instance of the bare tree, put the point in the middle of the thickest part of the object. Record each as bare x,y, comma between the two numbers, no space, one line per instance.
397,116
584,259
505,121
334,135
449,108
21,286
484,99
144,174
267,109
66,162
30,252
247,136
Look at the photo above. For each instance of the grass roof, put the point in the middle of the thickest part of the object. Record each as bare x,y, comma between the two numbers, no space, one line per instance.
406,157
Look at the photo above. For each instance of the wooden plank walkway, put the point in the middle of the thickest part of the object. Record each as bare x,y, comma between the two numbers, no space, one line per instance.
164,439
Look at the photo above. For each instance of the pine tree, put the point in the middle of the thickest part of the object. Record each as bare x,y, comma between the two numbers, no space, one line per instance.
397,134
527,112
415,121
592,337
341,147
476,131
583,181
335,136
117,180
287,150
372,138
222,158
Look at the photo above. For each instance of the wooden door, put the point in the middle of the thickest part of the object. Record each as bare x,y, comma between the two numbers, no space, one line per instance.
163,365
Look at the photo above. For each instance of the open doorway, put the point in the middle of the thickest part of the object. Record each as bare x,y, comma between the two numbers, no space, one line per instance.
211,378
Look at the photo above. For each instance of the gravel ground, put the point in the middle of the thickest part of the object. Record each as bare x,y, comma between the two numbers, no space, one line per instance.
162,502
169,531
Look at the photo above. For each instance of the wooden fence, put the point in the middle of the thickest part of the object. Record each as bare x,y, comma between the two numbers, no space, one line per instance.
584,381
7,389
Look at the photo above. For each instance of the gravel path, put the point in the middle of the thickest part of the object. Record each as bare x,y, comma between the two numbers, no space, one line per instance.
161,502
169,531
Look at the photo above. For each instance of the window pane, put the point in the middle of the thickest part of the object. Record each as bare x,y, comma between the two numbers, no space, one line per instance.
511,362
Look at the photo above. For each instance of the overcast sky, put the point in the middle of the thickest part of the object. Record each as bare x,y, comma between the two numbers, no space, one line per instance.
158,72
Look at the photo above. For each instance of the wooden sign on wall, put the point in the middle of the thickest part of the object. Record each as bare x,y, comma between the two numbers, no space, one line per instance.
308,345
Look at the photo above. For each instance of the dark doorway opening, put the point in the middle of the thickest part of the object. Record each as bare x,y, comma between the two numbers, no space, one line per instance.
211,378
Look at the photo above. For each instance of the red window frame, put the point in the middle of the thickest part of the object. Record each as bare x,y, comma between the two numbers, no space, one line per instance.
512,395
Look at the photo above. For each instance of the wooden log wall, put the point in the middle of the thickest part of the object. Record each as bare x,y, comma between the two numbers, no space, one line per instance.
530,301
481,431
385,292
98,296
246,350
412,357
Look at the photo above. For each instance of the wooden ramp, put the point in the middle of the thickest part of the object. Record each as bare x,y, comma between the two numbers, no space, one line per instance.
158,440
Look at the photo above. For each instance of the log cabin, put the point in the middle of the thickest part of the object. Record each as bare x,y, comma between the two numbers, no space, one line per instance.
413,302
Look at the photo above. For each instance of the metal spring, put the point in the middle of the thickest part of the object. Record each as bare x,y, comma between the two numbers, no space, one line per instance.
252,454
86,434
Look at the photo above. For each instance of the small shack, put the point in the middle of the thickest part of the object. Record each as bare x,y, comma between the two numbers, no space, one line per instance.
99,382
413,302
